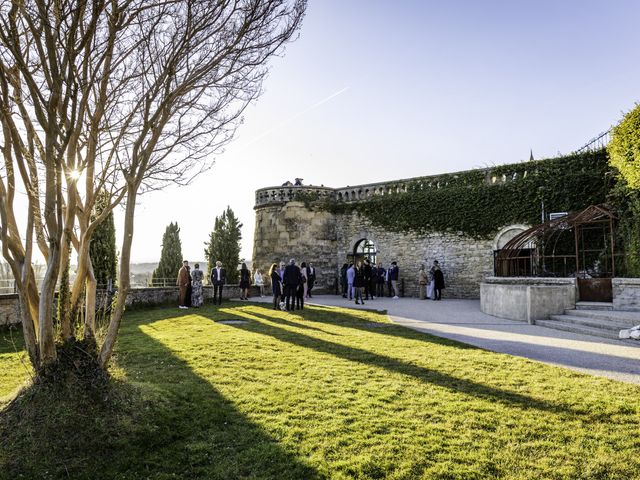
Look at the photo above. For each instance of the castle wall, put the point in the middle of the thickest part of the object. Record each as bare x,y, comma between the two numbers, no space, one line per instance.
464,261
288,230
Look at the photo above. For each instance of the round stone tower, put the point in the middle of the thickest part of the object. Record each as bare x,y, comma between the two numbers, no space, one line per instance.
287,226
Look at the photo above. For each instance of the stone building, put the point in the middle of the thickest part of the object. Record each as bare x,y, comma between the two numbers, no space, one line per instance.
295,222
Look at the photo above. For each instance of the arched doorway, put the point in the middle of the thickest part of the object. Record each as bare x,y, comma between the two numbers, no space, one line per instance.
364,249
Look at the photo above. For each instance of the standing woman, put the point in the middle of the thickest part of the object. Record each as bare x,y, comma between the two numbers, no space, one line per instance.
304,279
259,281
197,276
245,282
276,285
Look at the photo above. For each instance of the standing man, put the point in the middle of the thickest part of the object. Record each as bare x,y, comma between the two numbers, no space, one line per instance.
366,279
183,283
351,276
291,281
343,280
373,281
380,279
218,279
311,278
394,273
438,281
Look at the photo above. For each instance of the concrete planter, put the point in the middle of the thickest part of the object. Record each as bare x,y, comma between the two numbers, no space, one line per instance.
527,299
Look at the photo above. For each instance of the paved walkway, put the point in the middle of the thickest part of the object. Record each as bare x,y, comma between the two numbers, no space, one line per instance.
462,320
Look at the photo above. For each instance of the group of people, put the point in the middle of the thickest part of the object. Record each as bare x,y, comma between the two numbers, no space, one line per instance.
368,279
191,283
291,284
431,283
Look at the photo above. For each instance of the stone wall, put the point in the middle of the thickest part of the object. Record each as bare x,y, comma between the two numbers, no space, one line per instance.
137,298
626,293
9,309
289,230
464,261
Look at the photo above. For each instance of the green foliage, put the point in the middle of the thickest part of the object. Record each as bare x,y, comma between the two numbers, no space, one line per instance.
480,202
103,244
224,244
624,148
624,156
171,255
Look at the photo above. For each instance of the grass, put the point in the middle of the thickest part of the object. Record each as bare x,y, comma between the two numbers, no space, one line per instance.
330,393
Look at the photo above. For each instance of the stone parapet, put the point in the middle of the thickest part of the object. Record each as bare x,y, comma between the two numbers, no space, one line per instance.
137,298
527,299
9,309
626,294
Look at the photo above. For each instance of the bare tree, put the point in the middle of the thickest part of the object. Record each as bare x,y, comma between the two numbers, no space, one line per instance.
120,96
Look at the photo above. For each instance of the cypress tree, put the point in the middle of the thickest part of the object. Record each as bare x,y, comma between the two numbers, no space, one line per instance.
170,258
224,244
103,244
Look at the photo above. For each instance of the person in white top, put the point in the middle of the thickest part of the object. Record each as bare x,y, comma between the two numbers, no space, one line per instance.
259,281
305,277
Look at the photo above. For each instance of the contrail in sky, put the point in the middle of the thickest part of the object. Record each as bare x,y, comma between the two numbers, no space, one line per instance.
293,117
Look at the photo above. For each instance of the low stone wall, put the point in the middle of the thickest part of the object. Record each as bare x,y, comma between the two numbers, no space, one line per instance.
137,298
527,299
9,309
626,294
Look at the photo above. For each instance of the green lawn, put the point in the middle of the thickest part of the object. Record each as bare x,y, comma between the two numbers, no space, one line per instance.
338,393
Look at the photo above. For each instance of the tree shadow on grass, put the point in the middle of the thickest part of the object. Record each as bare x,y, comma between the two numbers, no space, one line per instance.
163,421
329,316
423,374
204,435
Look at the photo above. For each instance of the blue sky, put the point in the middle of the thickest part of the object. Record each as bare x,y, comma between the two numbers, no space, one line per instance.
423,87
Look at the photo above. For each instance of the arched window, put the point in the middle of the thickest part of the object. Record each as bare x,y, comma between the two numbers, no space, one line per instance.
364,249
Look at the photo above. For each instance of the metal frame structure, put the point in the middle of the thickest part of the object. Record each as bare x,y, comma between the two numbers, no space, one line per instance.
533,252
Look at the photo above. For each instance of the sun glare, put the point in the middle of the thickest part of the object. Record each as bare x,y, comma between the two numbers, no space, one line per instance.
74,174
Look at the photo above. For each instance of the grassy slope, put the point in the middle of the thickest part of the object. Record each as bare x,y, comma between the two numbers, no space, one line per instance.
343,394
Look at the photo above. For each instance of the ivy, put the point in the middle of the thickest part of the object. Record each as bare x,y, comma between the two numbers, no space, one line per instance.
624,154
478,203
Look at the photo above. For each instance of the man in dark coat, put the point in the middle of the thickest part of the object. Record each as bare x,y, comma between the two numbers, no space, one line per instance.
311,278
366,278
291,281
218,279
343,280
438,280
373,281
380,279
394,274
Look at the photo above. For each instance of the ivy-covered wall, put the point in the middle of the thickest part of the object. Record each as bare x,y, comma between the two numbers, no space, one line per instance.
478,203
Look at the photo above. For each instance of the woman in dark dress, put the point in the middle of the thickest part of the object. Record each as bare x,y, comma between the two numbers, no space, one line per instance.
245,282
189,288
276,286
302,284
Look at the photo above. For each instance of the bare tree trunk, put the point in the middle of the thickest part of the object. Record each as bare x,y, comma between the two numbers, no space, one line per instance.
123,279
46,338
90,303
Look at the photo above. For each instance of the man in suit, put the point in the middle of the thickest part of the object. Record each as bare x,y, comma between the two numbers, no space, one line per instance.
351,277
218,279
366,274
182,282
394,273
311,278
291,281
380,279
